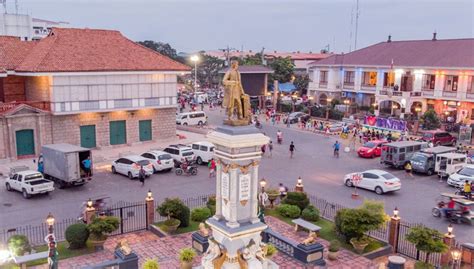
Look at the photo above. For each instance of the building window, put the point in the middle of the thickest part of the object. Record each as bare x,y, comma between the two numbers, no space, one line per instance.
428,82
388,79
369,79
323,77
451,83
349,77
470,84
406,82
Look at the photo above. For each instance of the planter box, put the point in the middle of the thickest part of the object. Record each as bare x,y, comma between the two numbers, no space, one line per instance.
157,231
383,251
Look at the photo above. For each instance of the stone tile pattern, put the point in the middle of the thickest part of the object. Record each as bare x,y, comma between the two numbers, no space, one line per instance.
146,245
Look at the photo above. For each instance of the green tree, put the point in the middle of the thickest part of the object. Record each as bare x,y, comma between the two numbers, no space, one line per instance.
283,70
162,48
255,59
426,240
208,69
430,120
301,83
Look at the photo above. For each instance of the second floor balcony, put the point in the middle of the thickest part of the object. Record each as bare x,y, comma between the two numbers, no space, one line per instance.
449,94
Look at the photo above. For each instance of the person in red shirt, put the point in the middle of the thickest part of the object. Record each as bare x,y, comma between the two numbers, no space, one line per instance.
449,208
212,168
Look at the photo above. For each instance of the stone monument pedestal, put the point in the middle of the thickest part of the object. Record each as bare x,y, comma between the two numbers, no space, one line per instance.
236,230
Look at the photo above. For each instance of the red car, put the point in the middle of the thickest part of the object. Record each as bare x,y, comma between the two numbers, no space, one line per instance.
439,138
371,149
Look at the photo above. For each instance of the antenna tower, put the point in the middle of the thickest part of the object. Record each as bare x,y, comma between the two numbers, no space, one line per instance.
357,24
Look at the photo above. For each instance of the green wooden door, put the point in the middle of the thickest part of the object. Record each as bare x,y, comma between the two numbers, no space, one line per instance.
144,127
88,136
118,132
25,142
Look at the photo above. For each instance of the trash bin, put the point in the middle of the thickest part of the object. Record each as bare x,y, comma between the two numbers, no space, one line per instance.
396,262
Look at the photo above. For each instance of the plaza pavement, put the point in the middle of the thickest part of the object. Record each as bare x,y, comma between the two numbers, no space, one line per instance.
146,245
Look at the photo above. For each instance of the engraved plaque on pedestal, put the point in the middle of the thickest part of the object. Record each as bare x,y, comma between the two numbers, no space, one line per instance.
244,188
225,182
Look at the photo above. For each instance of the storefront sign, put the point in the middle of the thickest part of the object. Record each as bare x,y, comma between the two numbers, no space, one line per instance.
394,124
244,188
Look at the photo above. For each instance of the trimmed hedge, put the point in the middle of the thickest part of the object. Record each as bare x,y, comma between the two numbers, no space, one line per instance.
211,204
175,208
19,244
200,214
290,211
77,235
299,199
310,213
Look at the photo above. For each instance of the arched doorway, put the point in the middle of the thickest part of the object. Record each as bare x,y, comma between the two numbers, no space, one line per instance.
389,108
415,109
323,99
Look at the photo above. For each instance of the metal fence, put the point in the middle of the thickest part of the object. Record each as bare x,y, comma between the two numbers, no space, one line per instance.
191,202
36,234
408,249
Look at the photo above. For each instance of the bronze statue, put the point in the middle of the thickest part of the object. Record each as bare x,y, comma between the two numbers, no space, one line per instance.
235,98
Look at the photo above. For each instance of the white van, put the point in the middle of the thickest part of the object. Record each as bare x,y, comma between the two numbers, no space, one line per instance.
191,118
203,151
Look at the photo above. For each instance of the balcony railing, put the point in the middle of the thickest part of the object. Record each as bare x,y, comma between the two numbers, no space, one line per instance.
46,106
428,93
470,95
449,94
323,84
415,94
348,84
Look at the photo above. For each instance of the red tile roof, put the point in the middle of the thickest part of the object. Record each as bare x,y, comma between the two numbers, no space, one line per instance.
450,53
13,51
86,50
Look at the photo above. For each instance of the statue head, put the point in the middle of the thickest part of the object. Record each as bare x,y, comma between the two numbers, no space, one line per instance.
234,64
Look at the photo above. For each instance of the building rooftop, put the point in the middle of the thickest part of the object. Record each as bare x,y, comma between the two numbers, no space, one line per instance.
82,50
251,69
449,53
293,55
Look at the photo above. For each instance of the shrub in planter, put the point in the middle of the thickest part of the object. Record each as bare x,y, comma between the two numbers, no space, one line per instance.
211,204
427,240
100,227
175,208
299,199
310,213
271,250
423,265
186,256
290,211
77,235
19,245
151,264
334,246
171,225
200,214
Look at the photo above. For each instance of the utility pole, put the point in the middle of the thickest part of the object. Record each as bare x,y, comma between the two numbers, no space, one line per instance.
357,24
262,56
352,25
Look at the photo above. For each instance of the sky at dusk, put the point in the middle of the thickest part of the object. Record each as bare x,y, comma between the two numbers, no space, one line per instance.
290,25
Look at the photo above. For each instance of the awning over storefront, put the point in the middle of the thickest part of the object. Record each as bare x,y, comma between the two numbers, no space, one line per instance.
284,87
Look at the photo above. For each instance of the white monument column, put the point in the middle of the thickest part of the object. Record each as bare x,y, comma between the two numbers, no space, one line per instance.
254,199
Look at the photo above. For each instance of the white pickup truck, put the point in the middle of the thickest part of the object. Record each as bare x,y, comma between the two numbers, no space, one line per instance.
29,183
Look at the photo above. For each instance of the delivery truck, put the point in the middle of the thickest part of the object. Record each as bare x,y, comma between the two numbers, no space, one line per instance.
63,163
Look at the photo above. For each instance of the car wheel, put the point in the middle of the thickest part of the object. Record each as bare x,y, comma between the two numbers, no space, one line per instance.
185,124
429,172
154,170
178,171
8,187
378,190
113,170
436,212
372,156
168,170
348,183
130,176
25,194
200,123
199,160
194,171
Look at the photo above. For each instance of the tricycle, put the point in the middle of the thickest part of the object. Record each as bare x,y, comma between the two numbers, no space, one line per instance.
461,213
99,203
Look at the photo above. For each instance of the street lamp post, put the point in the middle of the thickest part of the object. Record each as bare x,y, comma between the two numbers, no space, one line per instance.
195,59
262,199
456,255
328,105
51,240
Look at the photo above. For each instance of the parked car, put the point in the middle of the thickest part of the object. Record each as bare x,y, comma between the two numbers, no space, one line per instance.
161,160
371,149
466,173
298,116
191,118
204,151
398,154
180,152
375,180
439,138
29,183
130,166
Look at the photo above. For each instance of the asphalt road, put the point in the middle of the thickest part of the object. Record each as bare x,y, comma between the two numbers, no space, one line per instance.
321,173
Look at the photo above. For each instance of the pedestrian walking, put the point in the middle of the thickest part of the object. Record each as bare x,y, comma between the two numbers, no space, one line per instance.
142,175
292,149
270,148
212,168
336,147
202,106
409,170
263,148
283,191
288,121
87,164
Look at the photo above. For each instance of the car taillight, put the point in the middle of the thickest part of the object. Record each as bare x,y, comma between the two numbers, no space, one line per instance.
149,165
389,183
135,166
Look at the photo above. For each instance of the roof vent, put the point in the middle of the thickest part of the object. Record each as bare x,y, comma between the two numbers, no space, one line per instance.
389,38
434,36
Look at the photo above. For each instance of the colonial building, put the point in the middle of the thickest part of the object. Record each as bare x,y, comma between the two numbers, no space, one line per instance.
93,88
401,77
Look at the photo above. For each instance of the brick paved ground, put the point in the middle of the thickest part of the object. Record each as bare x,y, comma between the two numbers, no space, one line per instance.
147,245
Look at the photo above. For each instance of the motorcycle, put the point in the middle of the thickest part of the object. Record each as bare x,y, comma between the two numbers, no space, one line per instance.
186,168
